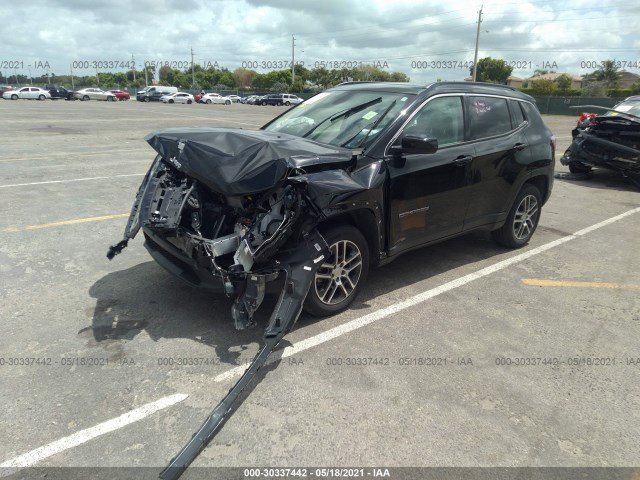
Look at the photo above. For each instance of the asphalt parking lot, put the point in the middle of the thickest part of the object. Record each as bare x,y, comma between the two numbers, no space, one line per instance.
462,354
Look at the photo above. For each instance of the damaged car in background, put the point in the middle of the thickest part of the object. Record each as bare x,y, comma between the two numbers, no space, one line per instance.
610,140
349,179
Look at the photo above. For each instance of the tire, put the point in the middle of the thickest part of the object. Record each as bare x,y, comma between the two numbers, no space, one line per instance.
111,99
41,97
579,167
189,102
209,102
85,98
14,97
171,101
279,104
334,286
287,103
522,220
228,102
147,99
264,104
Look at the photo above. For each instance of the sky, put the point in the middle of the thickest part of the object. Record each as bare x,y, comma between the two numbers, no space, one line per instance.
427,40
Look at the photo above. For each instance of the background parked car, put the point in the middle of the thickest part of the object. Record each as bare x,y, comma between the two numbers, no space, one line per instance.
280,99
234,98
59,92
121,94
5,88
154,92
210,98
178,97
30,93
94,94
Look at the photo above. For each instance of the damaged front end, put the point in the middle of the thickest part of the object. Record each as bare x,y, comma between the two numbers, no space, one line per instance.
220,204
609,141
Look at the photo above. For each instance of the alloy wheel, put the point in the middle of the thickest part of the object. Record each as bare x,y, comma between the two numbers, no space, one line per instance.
337,278
524,221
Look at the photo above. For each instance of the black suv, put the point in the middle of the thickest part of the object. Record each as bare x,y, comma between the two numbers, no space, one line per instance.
354,177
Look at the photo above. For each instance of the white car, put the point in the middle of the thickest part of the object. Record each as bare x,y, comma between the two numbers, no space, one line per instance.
94,94
215,98
234,98
178,97
26,92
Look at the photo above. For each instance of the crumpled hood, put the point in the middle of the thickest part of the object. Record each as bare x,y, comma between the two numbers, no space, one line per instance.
240,162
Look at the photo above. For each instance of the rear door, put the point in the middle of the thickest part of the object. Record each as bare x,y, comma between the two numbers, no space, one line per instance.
429,193
501,155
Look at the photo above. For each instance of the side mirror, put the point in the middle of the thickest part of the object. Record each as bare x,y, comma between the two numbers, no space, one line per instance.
417,144
411,144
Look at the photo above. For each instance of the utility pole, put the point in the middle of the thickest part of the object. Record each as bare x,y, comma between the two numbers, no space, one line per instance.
293,60
97,77
133,63
475,57
71,72
193,75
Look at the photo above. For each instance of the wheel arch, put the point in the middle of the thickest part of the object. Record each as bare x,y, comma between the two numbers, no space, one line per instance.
541,182
365,221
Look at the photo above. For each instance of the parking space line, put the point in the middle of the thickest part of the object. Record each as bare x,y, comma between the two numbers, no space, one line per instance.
56,156
422,297
539,282
83,436
71,180
64,222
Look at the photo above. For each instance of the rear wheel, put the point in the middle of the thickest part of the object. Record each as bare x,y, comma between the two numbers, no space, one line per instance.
189,102
111,99
264,104
41,97
522,219
287,103
340,278
85,98
228,102
147,99
171,101
209,102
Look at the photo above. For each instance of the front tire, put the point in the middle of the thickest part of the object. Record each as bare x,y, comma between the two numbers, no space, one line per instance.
189,102
85,98
14,97
171,101
522,220
228,102
341,276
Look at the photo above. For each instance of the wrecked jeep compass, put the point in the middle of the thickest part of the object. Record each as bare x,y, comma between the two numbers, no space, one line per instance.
376,169
350,178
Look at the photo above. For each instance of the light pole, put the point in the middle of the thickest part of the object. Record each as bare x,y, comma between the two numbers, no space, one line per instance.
30,78
475,57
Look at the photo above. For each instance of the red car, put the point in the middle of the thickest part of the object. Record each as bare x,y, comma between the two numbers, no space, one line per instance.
120,94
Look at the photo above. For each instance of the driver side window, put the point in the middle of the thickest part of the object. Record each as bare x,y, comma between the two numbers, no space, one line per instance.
442,118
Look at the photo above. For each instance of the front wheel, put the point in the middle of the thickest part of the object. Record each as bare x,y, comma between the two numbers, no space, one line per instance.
228,102
287,103
341,276
189,102
171,101
14,97
111,99
522,219
85,98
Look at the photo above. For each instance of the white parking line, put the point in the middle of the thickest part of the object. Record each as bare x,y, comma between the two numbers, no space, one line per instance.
423,297
71,180
78,438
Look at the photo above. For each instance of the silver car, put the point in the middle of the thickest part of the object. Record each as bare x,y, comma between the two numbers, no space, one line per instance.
94,94
26,92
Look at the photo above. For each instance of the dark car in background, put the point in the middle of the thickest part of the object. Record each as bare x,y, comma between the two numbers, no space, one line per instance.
280,99
370,170
59,92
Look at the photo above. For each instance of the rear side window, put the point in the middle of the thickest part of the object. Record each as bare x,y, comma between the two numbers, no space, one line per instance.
488,117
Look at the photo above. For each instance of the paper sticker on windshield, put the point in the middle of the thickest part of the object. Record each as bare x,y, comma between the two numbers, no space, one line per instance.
369,115
624,108
403,99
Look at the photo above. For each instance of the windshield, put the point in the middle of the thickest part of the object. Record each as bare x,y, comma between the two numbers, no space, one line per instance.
630,107
348,119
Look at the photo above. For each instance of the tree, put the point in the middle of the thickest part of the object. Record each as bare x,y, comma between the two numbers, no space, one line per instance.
543,87
492,70
608,74
563,82
243,77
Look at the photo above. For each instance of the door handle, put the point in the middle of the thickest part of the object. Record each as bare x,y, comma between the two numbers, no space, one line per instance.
463,159
518,147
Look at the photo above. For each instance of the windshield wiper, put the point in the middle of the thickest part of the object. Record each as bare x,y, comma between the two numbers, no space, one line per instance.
344,113
373,127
